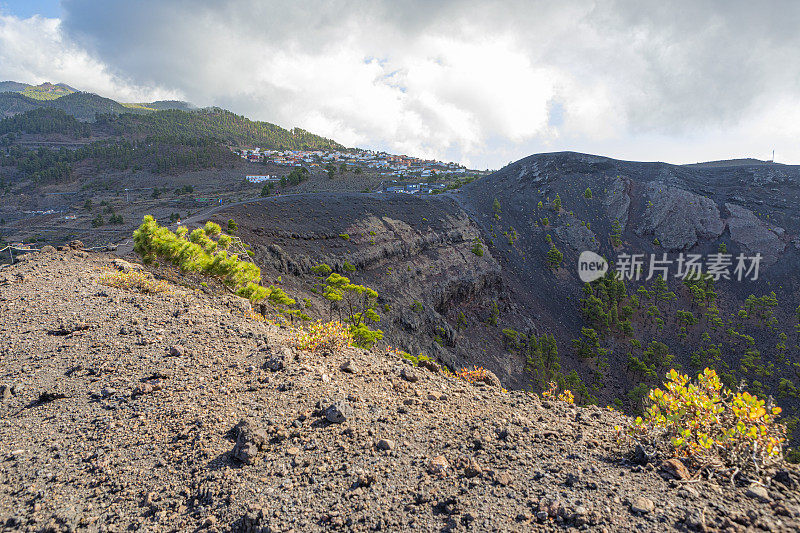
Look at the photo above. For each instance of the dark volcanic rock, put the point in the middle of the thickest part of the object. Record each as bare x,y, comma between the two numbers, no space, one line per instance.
679,219
755,235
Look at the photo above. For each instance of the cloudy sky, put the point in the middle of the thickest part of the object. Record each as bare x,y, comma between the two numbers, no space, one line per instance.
479,82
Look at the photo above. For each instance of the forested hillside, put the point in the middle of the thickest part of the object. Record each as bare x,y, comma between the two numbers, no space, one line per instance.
45,120
168,140
217,123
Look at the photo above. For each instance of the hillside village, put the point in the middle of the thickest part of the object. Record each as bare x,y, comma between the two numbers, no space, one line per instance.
386,164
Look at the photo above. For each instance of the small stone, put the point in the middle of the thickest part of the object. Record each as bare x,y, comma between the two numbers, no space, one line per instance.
349,367
642,505
142,389
210,521
758,492
676,469
5,392
292,450
434,396
126,266
409,375
488,377
640,455
503,478
386,444
107,392
438,465
473,469
275,363
338,412
177,350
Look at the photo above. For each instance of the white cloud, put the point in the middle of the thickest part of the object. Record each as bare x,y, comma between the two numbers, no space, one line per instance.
35,50
484,82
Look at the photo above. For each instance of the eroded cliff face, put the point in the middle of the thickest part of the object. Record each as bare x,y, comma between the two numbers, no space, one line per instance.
678,218
755,235
423,255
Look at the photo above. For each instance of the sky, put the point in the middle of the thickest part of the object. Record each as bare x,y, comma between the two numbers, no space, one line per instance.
483,83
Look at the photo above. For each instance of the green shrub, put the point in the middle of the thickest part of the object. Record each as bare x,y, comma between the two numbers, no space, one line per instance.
496,208
321,270
415,360
494,313
616,233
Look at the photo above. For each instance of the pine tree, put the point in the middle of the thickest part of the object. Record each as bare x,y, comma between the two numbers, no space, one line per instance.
357,304
554,257
204,251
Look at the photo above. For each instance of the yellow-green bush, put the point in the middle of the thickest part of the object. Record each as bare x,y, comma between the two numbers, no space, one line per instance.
321,335
133,280
711,425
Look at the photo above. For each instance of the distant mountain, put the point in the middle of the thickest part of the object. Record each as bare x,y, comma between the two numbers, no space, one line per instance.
13,103
748,162
52,91
12,86
83,106
161,118
48,91
44,91
160,105
219,124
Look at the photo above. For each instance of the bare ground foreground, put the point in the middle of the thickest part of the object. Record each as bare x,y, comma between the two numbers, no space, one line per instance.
121,411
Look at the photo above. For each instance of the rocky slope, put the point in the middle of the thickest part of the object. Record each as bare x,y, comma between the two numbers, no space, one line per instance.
178,411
